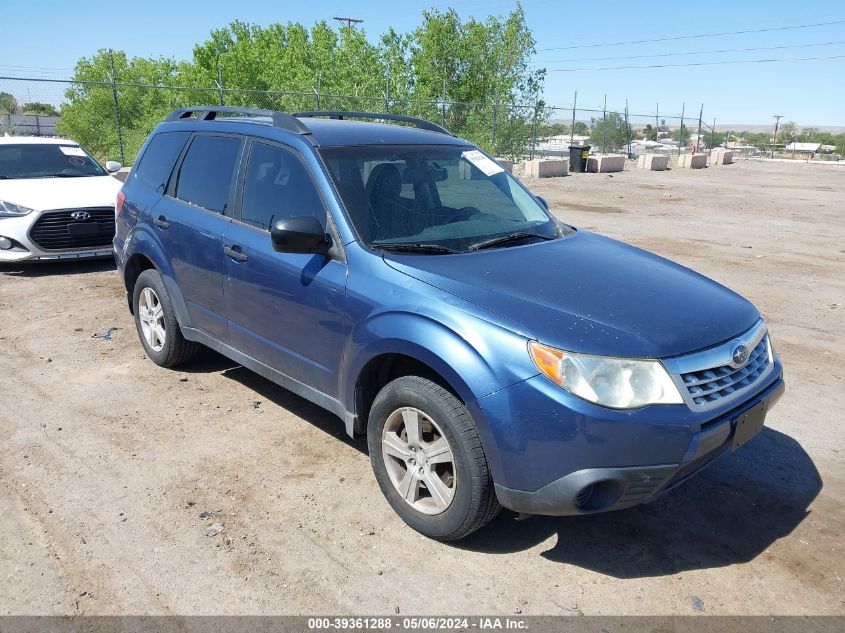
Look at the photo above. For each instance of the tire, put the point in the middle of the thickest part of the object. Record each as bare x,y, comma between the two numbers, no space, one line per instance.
464,499
154,311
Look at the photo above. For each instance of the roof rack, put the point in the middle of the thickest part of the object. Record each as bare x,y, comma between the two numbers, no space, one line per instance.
342,114
209,113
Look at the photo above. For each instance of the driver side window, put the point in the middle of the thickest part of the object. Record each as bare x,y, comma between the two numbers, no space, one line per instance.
277,185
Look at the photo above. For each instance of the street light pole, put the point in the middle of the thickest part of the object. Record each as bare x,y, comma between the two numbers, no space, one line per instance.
348,21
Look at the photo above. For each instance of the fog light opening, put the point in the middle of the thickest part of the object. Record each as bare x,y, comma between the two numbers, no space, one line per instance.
5,243
599,495
583,497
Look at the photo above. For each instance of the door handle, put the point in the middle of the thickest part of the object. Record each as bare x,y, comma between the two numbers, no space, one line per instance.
161,222
235,253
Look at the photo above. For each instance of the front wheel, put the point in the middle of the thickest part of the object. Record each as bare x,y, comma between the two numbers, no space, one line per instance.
428,460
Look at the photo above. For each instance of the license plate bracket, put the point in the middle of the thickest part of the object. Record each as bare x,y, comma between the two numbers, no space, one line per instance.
748,425
81,229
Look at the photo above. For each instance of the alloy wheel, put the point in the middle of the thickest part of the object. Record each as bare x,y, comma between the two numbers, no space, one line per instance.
419,460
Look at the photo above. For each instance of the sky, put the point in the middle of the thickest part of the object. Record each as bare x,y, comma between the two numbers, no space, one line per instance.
571,36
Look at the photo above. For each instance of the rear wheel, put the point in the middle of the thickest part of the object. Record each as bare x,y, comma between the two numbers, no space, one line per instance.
428,460
156,322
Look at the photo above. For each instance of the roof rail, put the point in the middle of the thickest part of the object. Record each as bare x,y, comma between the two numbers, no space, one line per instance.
343,114
209,113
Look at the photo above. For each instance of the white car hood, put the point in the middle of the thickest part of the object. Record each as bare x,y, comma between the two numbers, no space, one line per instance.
43,194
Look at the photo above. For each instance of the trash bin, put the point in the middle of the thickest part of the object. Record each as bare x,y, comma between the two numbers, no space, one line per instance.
578,155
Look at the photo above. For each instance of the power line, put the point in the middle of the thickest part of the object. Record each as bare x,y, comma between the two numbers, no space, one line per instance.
717,63
348,21
690,37
723,50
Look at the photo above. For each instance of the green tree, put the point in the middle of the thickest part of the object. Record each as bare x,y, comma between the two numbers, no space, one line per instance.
36,107
610,133
8,103
649,133
787,132
682,135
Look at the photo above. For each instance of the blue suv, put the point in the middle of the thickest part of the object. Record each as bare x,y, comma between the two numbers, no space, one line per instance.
399,277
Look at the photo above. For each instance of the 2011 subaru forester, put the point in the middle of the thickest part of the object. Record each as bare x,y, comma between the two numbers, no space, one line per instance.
399,277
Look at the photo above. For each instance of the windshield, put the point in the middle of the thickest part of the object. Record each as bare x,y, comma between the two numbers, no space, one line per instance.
46,160
434,199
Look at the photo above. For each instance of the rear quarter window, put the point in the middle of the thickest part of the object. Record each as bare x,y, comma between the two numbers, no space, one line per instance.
158,159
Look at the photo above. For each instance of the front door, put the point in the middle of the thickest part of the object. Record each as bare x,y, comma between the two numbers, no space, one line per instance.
285,310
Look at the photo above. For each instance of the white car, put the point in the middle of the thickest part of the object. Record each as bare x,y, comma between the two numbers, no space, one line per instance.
56,201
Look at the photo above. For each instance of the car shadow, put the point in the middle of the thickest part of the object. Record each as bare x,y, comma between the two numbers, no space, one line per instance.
730,513
64,267
315,415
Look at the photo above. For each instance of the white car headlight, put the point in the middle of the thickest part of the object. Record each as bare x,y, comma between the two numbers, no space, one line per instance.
9,209
619,383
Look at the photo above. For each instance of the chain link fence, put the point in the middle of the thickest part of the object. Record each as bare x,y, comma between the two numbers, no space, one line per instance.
112,119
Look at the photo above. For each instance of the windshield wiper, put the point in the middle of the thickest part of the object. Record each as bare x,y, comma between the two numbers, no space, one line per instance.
505,239
415,248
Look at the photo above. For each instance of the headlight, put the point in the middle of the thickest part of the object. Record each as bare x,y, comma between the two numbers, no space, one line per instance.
619,383
9,209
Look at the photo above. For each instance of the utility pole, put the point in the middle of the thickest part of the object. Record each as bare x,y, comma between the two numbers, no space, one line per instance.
698,138
348,21
113,81
777,118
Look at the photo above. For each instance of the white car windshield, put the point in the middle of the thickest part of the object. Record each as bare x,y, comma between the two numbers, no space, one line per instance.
435,199
46,160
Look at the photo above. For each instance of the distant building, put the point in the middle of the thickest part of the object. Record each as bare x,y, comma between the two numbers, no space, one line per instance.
801,151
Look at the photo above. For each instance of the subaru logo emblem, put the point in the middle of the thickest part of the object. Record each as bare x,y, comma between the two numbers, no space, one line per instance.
740,355
80,216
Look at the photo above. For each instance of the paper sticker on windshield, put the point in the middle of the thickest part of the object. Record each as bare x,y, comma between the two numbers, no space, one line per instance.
487,166
71,151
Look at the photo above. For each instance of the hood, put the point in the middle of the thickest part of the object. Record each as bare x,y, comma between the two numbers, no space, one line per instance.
43,194
587,293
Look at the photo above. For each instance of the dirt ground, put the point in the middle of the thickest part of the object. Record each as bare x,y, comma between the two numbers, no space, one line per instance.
110,465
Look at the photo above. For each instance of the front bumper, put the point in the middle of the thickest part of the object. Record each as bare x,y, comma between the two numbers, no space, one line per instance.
24,249
578,458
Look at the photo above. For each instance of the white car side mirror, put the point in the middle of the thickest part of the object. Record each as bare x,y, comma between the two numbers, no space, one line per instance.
112,166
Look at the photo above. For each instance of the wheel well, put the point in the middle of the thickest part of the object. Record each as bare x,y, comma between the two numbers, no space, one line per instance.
134,267
383,369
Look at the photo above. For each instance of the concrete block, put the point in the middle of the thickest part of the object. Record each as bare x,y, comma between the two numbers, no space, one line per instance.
605,163
697,161
653,162
539,168
721,156
692,161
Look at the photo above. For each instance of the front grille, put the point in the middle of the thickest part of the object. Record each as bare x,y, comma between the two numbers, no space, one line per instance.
58,231
709,385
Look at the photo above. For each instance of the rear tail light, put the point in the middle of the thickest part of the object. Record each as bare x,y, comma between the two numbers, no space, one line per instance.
118,205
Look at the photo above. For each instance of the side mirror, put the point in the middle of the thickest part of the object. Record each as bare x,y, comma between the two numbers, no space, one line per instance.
543,201
302,234
113,166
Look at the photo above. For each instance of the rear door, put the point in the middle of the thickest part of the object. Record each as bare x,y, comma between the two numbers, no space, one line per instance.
191,220
285,310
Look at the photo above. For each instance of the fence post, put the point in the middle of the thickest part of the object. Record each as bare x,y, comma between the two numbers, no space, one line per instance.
604,126
37,125
113,81
220,93
681,131
657,122
713,134
627,129
698,138
495,115
443,104
319,88
572,129
534,127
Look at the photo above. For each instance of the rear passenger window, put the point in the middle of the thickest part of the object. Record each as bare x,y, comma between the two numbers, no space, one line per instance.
277,186
158,159
205,177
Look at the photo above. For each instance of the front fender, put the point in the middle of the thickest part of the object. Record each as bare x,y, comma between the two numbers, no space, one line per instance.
476,357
